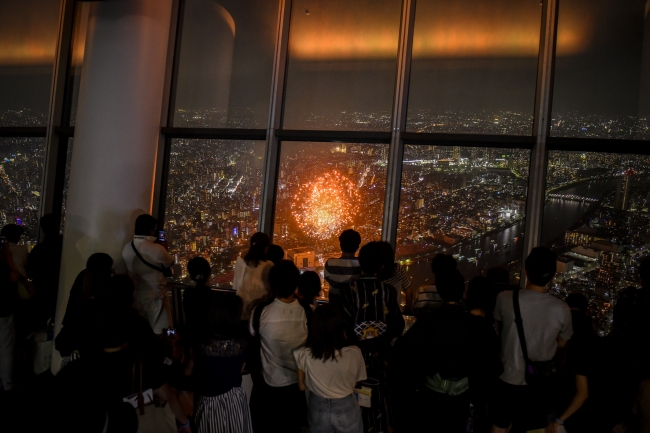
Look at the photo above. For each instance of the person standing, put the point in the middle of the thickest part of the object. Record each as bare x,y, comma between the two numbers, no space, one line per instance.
8,299
427,298
546,325
148,263
251,282
330,368
43,266
345,269
374,319
280,327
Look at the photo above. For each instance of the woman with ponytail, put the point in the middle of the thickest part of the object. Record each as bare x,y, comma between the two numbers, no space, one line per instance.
252,274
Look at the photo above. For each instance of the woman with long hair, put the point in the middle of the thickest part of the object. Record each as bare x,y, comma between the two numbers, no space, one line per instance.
222,406
393,274
330,368
251,280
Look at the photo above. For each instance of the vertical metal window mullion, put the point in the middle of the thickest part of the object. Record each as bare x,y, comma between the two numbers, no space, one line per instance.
400,104
56,144
541,127
159,199
272,151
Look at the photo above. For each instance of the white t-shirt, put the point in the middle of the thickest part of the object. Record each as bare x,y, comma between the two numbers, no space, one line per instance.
332,379
251,283
148,281
283,328
544,318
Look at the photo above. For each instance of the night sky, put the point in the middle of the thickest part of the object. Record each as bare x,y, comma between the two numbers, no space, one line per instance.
469,55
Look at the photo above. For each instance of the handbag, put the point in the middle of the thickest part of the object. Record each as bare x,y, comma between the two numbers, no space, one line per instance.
167,272
537,372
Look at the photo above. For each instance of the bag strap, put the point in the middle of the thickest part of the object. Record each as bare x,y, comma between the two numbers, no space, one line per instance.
159,269
520,325
257,315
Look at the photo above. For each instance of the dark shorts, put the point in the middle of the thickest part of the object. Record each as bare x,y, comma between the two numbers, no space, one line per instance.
523,406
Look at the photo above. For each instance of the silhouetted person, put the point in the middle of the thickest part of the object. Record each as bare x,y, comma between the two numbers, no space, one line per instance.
8,300
44,265
546,323
252,268
427,297
197,300
309,287
219,357
90,286
330,367
374,319
275,253
449,357
345,269
149,263
280,325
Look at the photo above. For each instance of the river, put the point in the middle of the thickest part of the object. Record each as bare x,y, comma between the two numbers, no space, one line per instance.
559,216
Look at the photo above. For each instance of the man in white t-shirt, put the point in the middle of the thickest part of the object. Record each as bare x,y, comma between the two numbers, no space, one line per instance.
282,328
146,260
547,326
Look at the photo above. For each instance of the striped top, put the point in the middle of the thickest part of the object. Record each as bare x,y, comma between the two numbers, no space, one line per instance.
339,272
427,298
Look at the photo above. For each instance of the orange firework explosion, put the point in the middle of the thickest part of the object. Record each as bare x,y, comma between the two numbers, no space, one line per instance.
328,204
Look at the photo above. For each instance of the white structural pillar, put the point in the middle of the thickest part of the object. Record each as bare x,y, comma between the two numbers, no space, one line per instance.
116,134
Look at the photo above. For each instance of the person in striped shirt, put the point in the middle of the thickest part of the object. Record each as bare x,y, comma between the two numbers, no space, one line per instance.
345,269
427,297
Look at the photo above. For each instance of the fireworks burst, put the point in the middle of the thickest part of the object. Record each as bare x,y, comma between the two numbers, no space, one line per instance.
326,205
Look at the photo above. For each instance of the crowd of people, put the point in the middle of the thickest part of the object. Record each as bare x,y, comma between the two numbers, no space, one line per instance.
482,356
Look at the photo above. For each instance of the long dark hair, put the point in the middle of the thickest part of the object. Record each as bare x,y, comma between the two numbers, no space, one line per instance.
326,333
257,252
97,276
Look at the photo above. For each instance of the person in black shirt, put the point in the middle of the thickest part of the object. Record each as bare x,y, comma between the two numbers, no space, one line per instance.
275,253
43,266
374,320
197,300
451,355
222,405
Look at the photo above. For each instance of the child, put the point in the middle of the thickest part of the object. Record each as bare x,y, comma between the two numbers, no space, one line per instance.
309,286
330,368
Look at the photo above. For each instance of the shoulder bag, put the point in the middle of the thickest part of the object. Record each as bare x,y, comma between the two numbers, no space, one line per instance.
537,372
167,272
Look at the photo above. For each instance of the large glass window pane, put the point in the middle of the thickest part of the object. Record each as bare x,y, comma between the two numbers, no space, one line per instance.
323,189
602,78
342,64
596,219
21,176
474,66
226,63
66,181
213,197
28,34
465,201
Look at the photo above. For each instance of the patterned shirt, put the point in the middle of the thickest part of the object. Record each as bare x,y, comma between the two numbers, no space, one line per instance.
371,308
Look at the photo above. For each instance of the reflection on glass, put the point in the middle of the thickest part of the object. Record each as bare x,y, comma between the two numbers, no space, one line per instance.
28,34
81,11
21,171
602,86
66,182
465,201
342,63
596,219
474,67
226,63
323,189
212,206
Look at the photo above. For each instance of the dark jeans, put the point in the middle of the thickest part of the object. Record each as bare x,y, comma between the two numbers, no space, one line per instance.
440,412
526,407
278,409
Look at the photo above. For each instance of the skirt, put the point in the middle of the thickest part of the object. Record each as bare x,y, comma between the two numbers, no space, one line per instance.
224,413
